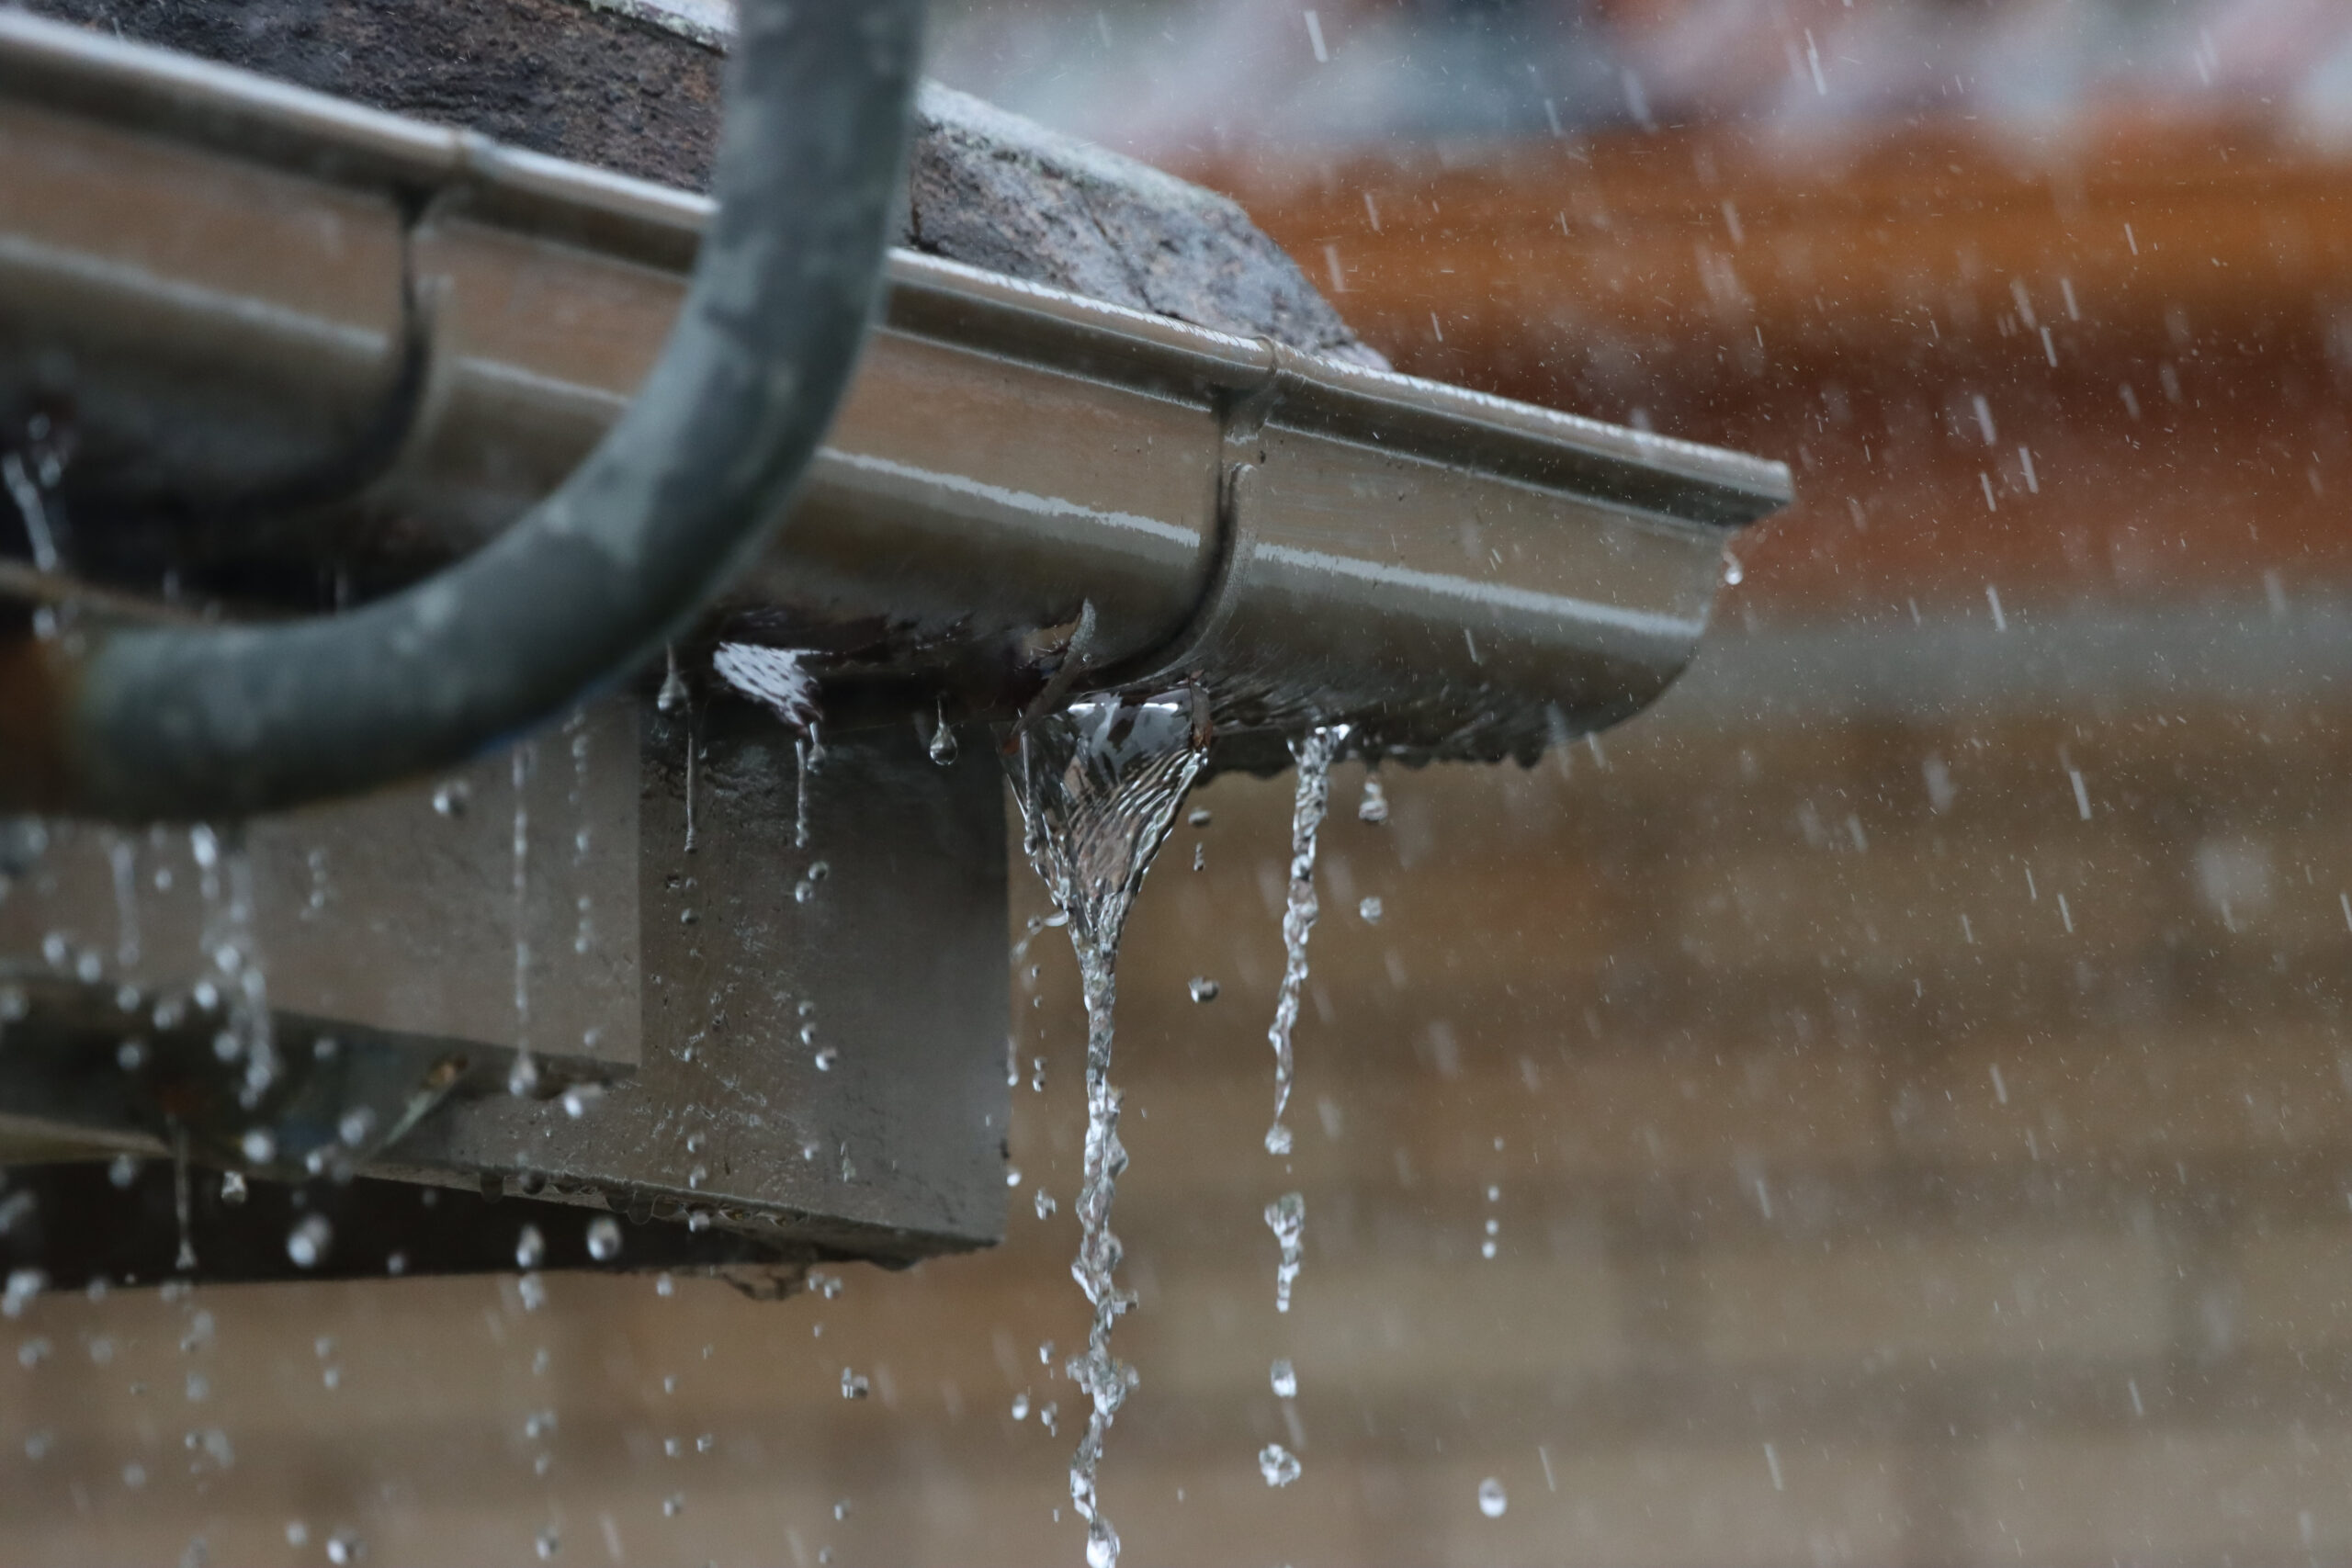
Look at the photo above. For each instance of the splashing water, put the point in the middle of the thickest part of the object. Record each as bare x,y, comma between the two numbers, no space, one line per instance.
1314,756
1098,785
1286,1217
1278,1465
780,680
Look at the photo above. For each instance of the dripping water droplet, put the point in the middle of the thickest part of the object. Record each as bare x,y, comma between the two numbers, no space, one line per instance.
307,1243
1277,1464
673,695
1286,1217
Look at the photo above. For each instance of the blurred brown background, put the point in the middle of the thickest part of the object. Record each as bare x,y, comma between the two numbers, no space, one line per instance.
1906,1073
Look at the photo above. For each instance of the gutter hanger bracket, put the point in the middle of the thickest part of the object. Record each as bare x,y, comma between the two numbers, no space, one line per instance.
1243,413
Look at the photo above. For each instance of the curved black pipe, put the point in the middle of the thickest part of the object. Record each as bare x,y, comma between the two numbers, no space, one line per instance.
214,722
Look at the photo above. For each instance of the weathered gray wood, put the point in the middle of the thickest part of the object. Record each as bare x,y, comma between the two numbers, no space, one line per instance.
602,87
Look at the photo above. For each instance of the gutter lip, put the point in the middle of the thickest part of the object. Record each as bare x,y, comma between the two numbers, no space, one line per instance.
1683,481
62,66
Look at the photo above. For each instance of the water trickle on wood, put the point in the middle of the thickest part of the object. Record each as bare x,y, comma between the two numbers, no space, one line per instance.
1098,786
677,697
583,935
781,681
807,752
1314,754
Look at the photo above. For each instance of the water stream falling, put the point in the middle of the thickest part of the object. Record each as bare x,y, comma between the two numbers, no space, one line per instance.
236,982
181,1207
32,510
523,1076
1286,1217
584,934
807,752
122,861
676,697
1098,786
1313,754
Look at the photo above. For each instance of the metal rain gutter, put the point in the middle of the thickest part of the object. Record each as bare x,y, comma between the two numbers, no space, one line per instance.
306,351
